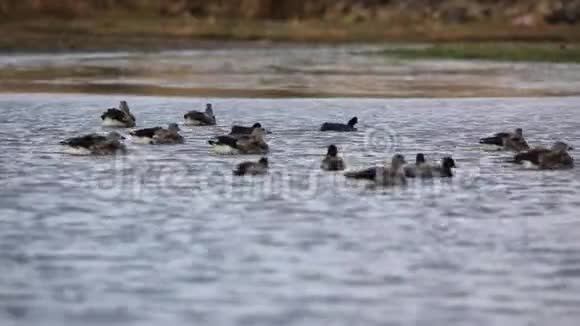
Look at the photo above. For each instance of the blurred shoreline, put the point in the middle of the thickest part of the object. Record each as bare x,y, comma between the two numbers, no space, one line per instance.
294,71
292,48
131,33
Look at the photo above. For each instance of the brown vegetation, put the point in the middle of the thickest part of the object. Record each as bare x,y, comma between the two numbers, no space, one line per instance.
452,11
96,24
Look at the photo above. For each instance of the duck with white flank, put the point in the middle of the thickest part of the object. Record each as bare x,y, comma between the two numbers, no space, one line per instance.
238,131
341,127
197,118
332,162
424,170
556,157
252,168
95,144
507,141
252,144
119,118
443,170
391,174
147,135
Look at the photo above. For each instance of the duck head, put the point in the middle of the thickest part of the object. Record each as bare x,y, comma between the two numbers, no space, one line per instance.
448,163
332,151
263,162
114,136
173,127
257,133
258,125
561,146
209,109
352,122
398,161
123,106
420,159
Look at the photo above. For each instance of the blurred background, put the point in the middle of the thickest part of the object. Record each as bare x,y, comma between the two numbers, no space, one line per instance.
292,47
305,20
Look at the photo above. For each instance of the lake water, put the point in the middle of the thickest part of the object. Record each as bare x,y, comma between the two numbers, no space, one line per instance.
165,234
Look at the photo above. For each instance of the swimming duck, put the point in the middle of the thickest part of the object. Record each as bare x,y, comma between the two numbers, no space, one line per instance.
252,144
145,136
168,136
197,118
252,168
238,131
330,126
424,170
444,170
417,170
332,162
497,139
366,174
508,141
119,118
392,173
556,157
95,144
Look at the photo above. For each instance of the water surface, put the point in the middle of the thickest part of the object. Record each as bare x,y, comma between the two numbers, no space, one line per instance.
165,234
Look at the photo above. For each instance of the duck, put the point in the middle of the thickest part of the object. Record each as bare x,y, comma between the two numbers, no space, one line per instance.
417,170
444,170
391,174
341,127
168,136
507,141
119,118
498,138
366,174
95,144
238,131
555,157
251,144
424,170
197,118
332,162
146,136
252,168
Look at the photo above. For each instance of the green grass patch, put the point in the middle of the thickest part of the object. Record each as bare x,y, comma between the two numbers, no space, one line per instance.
53,73
510,52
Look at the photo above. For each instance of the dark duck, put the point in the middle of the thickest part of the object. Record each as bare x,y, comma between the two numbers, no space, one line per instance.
119,118
340,127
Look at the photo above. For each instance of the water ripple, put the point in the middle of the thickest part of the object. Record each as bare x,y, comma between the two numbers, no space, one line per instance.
166,235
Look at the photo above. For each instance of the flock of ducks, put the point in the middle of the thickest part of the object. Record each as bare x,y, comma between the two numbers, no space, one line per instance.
251,140
553,158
